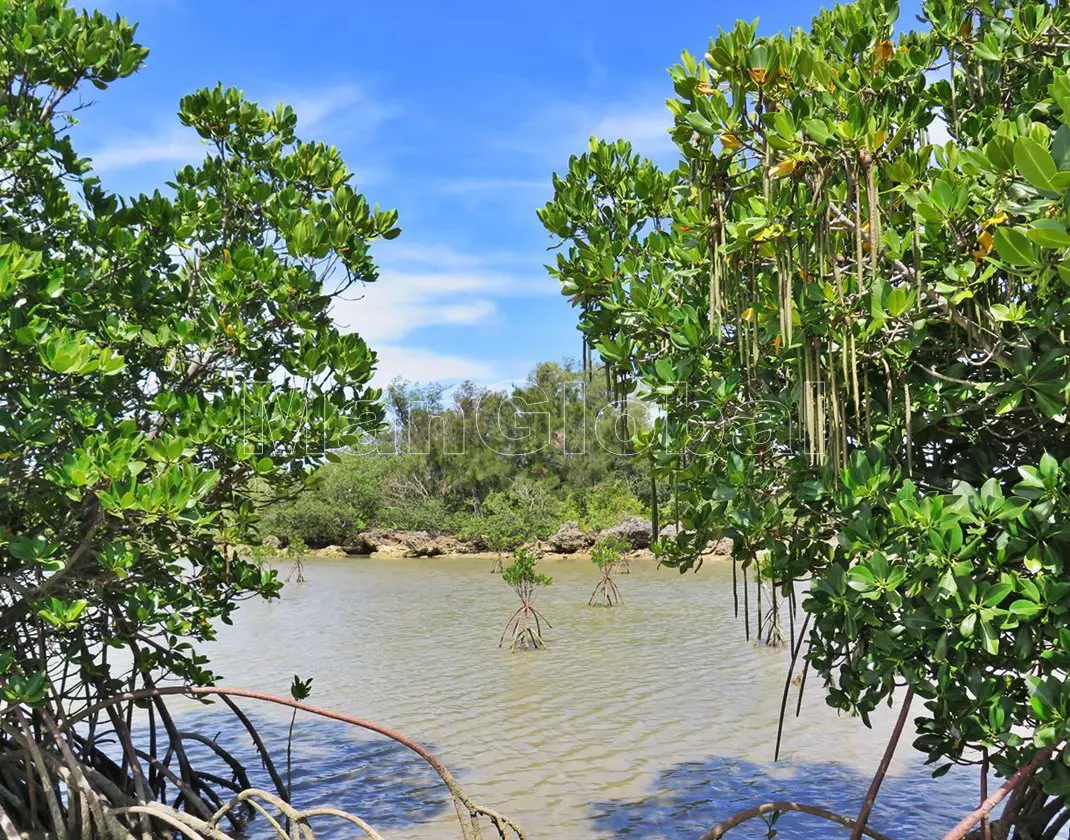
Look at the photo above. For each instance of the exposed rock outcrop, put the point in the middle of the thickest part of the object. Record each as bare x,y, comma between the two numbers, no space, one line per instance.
668,532
570,538
720,548
569,541
409,543
634,530
329,551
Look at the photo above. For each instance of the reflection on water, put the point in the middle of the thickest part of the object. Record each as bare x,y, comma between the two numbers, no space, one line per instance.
689,798
653,719
333,766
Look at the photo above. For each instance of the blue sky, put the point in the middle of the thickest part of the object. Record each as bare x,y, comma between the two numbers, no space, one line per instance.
454,113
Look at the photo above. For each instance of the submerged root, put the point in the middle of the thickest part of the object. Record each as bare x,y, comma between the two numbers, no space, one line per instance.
520,631
770,808
607,589
58,781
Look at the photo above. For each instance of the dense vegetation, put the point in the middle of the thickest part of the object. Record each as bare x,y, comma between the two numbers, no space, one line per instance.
857,340
854,342
138,426
498,466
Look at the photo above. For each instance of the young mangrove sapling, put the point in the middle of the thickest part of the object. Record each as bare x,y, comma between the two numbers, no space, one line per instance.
525,580
607,555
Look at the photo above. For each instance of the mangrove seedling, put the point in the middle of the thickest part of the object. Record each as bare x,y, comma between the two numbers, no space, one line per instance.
500,541
521,575
297,570
607,555
299,690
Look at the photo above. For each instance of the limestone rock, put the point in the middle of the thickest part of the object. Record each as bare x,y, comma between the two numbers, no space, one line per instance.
329,551
634,530
569,539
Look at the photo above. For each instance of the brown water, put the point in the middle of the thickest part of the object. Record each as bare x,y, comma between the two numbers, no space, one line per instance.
654,719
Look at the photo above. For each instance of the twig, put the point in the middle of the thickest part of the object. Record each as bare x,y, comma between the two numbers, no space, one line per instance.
723,827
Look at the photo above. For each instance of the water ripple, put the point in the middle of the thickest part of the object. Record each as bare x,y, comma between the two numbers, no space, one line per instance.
653,719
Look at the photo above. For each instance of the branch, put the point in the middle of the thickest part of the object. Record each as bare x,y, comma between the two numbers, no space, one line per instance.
722,828
975,816
459,796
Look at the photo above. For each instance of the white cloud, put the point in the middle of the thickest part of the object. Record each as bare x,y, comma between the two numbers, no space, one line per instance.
399,305
403,301
421,286
554,133
460,186
419,365
334,114
171,146
414,255
647,128
339,111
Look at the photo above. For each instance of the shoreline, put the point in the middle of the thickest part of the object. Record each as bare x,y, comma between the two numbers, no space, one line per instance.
644,556
569,542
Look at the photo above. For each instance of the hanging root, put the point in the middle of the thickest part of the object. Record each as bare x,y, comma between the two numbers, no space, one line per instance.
497,566
769,622
57,780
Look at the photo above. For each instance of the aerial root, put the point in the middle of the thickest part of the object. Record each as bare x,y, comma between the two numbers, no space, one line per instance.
521,633
723,827
55,780
610,594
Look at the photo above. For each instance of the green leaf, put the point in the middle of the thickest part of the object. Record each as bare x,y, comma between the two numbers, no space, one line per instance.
1010,402
818,130
989,638
1049,233
1060,148
997,593
1035,163
701,124
968,624
1014,247
1025,609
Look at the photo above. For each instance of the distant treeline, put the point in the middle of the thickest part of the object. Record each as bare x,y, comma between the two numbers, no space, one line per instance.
505,464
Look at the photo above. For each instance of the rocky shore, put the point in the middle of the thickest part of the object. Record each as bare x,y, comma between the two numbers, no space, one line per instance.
570,541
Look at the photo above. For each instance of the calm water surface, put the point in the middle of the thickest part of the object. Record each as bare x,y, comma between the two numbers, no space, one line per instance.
654,719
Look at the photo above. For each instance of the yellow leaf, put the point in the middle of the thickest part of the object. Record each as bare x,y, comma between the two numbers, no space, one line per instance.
776,344
878,138
984,245
748,314
785,167
883,52
758,74
730,141
998,219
